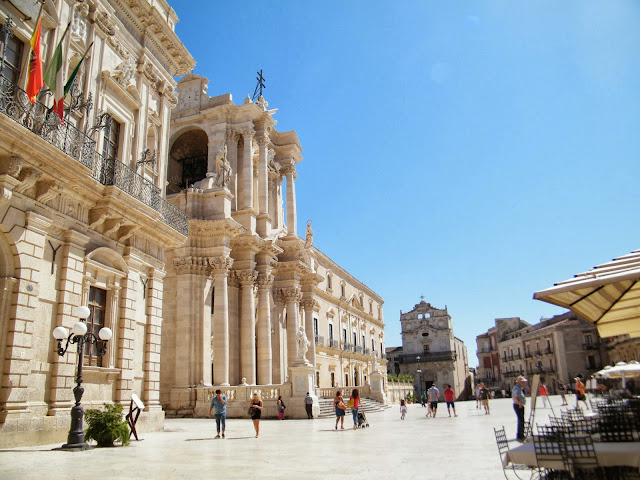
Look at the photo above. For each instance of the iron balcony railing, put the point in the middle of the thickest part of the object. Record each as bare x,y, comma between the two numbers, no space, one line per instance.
37,118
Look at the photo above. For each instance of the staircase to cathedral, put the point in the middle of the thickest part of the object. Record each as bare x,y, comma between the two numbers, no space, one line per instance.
367,405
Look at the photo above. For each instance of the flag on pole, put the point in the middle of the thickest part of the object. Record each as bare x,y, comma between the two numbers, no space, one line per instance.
34,80
73,75
54,78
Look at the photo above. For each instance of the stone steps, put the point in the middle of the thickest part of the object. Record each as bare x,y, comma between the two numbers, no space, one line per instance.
179,413
367,405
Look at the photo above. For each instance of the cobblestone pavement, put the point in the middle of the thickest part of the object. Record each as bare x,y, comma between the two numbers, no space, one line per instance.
416,448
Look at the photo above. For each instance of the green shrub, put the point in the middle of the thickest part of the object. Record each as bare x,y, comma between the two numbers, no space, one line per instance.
106,426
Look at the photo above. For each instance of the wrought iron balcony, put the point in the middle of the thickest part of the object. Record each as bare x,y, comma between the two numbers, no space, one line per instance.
334,343
319,340
37,118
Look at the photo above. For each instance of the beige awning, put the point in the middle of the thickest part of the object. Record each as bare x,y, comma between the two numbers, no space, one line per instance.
607,295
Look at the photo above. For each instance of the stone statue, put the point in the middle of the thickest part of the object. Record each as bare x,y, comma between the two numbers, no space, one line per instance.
374,362
223,168
303,344
308,241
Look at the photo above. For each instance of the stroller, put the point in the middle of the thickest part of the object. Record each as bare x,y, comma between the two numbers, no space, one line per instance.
362,420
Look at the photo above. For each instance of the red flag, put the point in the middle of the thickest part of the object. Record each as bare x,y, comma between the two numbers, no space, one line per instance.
34,81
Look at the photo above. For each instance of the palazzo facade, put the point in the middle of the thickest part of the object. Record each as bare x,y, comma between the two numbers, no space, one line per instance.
246,298
83,215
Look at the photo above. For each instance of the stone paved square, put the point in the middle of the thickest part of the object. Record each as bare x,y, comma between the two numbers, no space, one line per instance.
416,448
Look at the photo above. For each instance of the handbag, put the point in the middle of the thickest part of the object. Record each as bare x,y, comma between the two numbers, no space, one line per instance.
251,411
341,405
351,403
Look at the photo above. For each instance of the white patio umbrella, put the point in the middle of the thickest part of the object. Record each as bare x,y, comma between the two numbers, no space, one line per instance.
621,370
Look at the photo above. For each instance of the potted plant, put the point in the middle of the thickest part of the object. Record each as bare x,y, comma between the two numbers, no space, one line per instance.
107,426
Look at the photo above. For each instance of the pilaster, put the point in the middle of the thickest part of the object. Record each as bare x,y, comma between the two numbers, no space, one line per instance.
220,267
247,325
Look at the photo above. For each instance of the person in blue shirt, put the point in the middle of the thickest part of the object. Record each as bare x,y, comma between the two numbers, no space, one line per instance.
219,406
519,400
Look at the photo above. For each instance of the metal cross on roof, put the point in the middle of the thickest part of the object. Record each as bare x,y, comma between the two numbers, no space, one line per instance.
257,93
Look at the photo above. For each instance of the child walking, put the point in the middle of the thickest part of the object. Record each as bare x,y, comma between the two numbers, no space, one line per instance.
403,409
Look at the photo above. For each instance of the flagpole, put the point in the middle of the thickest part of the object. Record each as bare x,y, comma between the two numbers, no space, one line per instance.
35,25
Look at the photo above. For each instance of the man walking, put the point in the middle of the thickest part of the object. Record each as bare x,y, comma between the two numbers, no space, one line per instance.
519,400
219,405
483,395
434,393
449,397
308,405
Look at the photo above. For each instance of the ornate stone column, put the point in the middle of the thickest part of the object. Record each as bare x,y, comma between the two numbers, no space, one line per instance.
220,267
292,298
265,281
292,227
308,304
233,285
247,170
278,347
264,224
247,326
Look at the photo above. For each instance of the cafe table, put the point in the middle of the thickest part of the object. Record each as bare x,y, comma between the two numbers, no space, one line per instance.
609,454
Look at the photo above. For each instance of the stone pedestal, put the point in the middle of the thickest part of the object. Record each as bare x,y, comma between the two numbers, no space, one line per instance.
377,387
302,378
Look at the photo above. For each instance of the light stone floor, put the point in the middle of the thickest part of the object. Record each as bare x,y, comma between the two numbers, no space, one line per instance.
416,448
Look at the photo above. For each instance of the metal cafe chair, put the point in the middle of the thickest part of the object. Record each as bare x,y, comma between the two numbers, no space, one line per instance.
579,458
548,451
503,449
616,424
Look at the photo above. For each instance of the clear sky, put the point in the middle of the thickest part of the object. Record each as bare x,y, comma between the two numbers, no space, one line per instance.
469,151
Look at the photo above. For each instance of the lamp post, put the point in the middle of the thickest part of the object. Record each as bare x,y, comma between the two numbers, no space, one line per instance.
79,335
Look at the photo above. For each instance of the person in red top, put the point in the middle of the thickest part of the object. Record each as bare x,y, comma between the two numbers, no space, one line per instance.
449,397
544,395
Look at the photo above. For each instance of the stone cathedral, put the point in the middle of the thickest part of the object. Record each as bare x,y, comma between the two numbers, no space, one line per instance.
248,302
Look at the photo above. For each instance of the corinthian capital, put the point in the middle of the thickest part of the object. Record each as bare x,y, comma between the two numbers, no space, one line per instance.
220,265
291,294
308,303
246,277
192,265
265,280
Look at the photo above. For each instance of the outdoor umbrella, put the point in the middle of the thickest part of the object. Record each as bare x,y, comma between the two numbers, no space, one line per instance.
607,295
621,370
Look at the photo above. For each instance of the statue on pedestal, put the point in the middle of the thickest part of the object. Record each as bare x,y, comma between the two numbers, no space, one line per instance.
303,344
308,241
223,168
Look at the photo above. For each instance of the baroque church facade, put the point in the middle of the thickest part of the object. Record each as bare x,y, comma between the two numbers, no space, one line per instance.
178,232
430,352
245,292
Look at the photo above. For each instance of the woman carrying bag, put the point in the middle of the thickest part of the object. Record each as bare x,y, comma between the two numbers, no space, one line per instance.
255,410
338,403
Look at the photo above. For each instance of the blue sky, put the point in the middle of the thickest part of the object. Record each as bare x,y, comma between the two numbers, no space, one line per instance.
471,152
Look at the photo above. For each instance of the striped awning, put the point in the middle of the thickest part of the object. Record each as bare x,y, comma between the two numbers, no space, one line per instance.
607,295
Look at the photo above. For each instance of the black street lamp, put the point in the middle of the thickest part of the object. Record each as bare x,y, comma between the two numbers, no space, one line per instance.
79,335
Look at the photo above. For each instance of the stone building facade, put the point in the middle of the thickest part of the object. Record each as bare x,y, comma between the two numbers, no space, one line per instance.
430,351
488,370
83,215
245,293
560,347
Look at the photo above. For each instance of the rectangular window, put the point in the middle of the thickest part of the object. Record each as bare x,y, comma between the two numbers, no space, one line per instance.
315,327
12,59
344,335
426,348
330,332
591,362
111,139
364,343
97,306
329,282
587,340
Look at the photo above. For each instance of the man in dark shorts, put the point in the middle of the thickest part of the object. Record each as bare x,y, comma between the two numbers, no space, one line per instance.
434,393
449,397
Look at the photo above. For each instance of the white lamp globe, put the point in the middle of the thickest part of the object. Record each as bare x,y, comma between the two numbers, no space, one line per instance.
80,328
60,333
83,312
105,333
